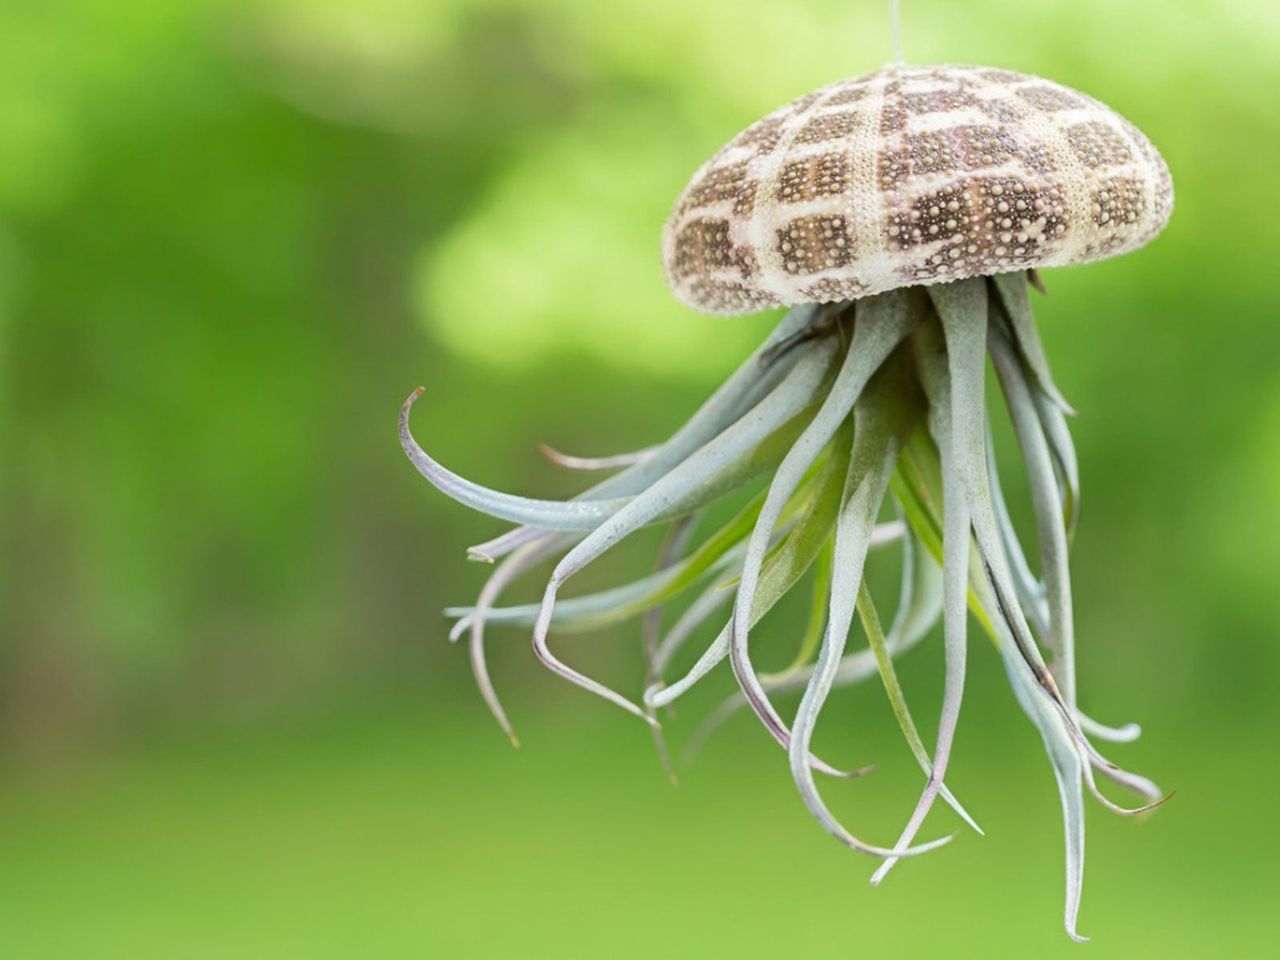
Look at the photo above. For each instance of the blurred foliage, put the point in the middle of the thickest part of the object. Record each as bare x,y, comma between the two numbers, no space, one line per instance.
234,234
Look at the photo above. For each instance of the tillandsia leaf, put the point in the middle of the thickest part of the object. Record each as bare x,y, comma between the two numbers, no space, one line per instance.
1058,744
702,469
711,600
1064,457
781,570
1050,407
752,463
880,324
986,609
673,545
758,375
919,599
509,570
1065,760
910,491
595,464
782,567
1124,734
592,611
545,514
962,308
758,459
503,575
501,546
1031,592
897,699
1043,701
1050,529
995,568
1134,783
817,618
1071,763
1131,781
957,307
914,487
917,483
880,423
919,606
824,319
719,552
695,615
1011,291
936,363
1061,750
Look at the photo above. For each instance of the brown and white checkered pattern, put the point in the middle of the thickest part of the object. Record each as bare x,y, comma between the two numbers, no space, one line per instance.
912,175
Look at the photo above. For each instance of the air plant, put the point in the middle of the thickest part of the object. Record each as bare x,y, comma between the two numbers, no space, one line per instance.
901,216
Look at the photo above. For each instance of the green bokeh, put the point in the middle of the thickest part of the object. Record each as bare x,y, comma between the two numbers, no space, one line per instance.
233,235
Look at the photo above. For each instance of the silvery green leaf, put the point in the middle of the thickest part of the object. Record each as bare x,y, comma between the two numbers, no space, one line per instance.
1066,763
1030,589
751,382
919,606
1050,529
544,514
897,699
595,464
880,324
1011,290
697,472
782,567
880,425
941,366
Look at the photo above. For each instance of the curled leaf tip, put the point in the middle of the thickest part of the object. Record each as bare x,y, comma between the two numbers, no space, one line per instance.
890,857
563,459
593,464
1133,811
406,438
653,697
860,772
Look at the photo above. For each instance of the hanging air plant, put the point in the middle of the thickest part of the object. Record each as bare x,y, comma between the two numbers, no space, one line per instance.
901,216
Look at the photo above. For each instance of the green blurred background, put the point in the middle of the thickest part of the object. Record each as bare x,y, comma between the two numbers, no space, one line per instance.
233,236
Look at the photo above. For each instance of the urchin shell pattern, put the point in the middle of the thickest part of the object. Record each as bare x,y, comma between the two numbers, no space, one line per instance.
912,175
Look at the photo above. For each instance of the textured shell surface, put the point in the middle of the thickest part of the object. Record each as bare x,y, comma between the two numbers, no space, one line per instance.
912,175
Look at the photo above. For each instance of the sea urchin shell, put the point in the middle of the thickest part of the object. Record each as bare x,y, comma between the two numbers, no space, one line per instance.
912,175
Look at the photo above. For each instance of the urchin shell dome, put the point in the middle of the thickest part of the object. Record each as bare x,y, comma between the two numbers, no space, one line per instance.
912,175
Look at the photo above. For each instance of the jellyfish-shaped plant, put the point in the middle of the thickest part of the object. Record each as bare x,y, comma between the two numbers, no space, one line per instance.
901,216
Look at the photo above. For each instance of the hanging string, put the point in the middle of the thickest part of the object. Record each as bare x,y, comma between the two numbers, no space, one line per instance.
895,28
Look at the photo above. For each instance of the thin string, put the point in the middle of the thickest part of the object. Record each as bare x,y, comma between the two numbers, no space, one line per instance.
895,28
